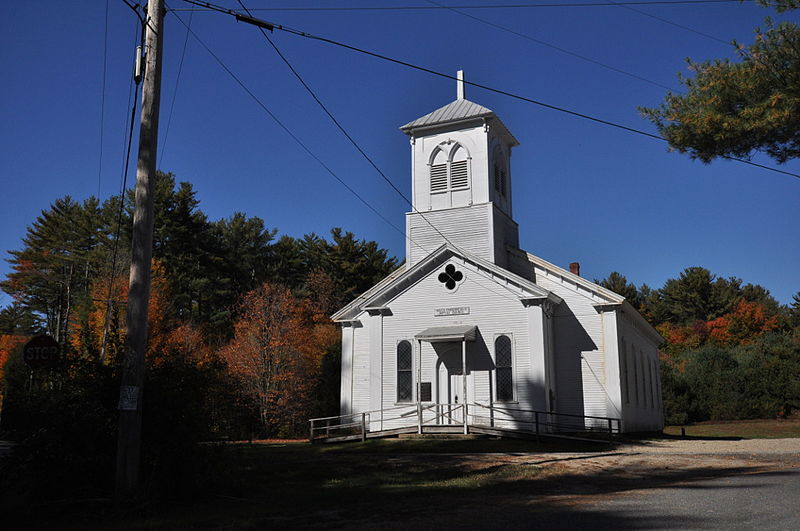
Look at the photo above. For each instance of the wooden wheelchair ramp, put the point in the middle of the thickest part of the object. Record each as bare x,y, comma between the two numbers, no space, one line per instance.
492,420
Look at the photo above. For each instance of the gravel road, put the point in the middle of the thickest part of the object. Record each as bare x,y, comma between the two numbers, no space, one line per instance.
763,447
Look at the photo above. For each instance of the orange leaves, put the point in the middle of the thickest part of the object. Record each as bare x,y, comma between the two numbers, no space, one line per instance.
746,322
276,353
8,344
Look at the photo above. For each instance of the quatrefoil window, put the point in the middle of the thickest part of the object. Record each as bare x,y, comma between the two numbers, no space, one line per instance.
449,277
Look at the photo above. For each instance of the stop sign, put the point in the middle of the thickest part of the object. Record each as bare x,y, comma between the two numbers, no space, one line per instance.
41,351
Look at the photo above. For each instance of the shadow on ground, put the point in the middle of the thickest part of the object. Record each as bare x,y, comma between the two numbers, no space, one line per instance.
299,486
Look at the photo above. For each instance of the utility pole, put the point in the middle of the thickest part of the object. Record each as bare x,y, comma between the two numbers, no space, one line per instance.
129,442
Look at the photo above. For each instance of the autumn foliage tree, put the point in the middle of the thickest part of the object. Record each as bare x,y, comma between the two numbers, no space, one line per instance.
275,356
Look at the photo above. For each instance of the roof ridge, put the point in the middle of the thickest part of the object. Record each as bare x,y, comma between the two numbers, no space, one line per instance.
594,286
456,110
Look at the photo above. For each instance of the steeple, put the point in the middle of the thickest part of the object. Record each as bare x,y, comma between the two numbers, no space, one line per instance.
461,181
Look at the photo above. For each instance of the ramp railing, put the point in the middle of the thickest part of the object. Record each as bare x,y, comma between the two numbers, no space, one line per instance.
358,424
543,422
355,426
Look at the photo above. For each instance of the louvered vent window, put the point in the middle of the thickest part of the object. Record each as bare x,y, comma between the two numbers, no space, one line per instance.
458,174
404,371
438,178
504,376
500,180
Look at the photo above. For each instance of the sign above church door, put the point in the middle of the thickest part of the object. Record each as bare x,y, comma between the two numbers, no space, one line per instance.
460,310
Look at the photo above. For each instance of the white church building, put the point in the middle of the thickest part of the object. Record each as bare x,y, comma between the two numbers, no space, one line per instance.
471,327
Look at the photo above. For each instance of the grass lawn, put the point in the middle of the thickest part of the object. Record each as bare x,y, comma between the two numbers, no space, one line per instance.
394,482
745,429
296,484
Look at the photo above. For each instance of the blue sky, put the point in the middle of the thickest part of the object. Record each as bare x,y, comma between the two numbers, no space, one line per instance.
583,192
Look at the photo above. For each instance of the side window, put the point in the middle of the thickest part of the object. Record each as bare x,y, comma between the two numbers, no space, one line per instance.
652,368
624,372
404,372
504,375
643,362
635,376
499,172
459,172
439,172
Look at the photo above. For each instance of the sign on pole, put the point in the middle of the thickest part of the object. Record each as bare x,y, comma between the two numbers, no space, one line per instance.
41,352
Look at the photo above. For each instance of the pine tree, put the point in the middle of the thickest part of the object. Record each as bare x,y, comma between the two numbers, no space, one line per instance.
734,108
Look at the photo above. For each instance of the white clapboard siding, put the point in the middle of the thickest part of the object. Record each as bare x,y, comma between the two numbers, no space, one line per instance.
467,228
361,401
579,353
506,235
643,411
413,311
346,384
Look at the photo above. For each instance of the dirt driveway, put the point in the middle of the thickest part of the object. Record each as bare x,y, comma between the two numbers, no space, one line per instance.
572,487
652,464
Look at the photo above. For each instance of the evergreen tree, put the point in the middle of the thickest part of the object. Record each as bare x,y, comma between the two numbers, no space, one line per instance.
794,310
288,266
61,254
620,285
696,295
735,108
354,265
17,320
240,261
762,296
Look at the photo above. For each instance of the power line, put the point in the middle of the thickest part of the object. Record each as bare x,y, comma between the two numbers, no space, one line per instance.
299,33
488,6
123,186
175,91
316,158
777,74
364,154
671,23
549,45
330,115
285,128
135,7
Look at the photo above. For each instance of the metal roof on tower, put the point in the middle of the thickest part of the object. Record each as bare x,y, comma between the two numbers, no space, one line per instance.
455,111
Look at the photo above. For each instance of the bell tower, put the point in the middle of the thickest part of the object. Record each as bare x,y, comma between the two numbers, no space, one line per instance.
461,182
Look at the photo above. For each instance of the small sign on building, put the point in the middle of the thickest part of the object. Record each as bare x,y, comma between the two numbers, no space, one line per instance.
425,394
459,310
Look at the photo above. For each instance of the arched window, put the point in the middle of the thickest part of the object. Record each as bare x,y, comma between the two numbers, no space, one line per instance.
504,376
449,173
405,383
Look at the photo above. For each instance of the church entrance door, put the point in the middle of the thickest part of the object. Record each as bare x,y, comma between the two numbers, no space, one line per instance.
450,383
